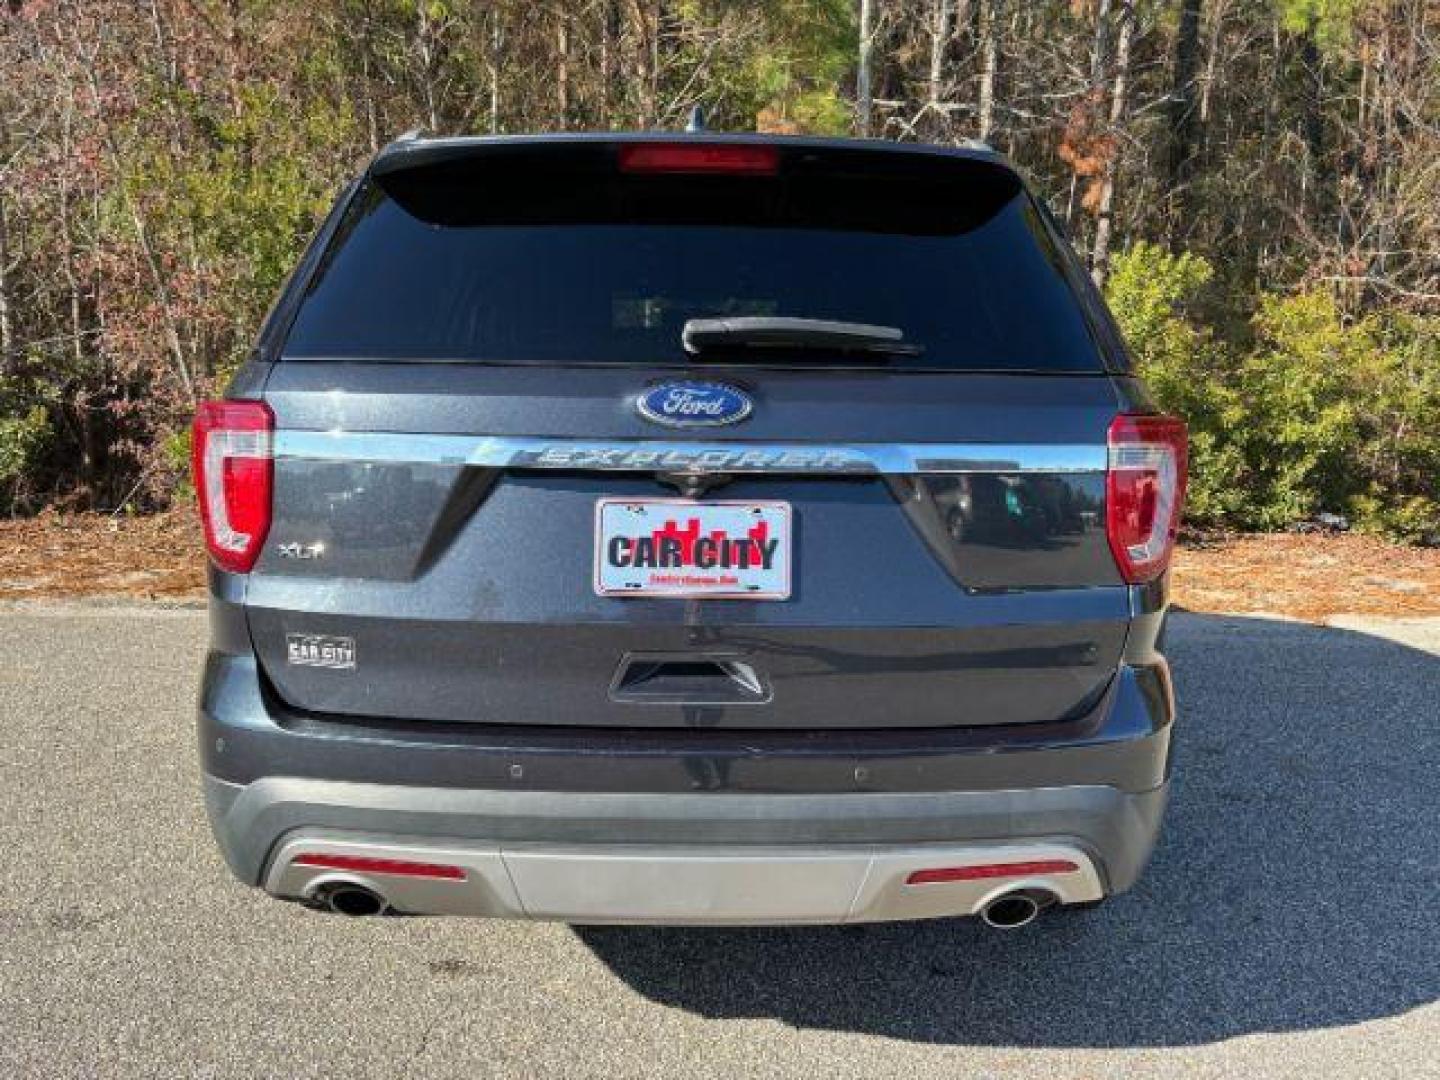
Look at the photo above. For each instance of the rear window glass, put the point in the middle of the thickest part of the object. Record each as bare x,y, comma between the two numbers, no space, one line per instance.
490,263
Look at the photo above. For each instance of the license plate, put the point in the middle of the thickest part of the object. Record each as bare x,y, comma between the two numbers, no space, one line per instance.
683,548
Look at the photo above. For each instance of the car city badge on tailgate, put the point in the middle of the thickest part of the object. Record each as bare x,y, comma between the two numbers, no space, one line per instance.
320,650
691,403
681,548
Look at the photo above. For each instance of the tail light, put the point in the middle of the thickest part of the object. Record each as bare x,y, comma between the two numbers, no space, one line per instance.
698,158
231,460
1144,490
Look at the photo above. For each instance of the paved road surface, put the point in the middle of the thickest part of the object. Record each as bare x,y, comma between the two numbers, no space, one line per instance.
1286,928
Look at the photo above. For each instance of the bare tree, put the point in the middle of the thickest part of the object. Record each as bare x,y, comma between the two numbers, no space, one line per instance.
864,103
941,22
990,16
1105,221
1182,111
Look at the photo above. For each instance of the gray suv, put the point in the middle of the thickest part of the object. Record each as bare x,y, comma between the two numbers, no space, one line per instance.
687,529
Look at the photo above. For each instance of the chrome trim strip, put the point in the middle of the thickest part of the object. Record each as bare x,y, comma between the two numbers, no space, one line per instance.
645,455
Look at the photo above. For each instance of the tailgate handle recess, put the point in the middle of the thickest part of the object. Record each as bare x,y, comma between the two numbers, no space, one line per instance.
688,679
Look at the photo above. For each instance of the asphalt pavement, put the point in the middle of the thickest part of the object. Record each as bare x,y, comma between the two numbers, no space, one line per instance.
1285,928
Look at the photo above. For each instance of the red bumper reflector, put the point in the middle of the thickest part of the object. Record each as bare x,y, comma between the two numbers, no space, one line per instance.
397,867
698,158
991,870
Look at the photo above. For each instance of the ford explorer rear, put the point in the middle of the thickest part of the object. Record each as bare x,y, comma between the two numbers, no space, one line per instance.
688,529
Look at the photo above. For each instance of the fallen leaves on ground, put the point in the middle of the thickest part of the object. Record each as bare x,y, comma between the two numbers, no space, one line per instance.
1310,577
79,555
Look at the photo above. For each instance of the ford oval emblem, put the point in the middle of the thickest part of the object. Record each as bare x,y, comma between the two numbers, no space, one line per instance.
694,404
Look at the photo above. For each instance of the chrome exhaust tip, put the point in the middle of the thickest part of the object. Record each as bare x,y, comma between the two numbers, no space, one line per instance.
351,900
1012,910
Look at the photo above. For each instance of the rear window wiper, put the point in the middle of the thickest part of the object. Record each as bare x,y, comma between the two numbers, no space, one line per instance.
780,333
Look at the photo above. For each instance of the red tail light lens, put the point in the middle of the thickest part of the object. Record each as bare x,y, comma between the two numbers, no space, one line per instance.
698,158
1144,491
231,461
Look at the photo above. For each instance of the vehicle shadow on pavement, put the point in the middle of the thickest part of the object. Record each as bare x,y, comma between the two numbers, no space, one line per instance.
1292,888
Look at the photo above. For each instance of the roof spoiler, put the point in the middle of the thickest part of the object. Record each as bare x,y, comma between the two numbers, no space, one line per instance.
415,149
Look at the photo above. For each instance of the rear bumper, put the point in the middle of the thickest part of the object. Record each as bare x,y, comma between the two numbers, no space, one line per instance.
715,814
688,858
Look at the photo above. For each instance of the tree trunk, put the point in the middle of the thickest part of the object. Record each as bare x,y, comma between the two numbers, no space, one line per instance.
990,13
425,45
562,68
1104,224
69,260
652,84
864,103
235,60
1182,98
609,34
7,343
497,41
1100,45
645,20
1312,126
1207,81
367,81
934,82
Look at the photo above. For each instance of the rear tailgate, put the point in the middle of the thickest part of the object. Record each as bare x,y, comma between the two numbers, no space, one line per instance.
458,394
467,588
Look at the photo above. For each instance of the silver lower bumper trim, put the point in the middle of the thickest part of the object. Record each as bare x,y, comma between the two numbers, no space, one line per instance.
681,886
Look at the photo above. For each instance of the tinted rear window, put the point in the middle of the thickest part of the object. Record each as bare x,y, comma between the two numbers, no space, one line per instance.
564,263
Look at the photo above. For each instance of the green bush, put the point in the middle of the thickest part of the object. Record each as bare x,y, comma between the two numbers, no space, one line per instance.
175,453
1350,412
23,438
1153,295
1316,412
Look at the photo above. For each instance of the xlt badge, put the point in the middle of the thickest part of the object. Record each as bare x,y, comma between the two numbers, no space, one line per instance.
294,550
